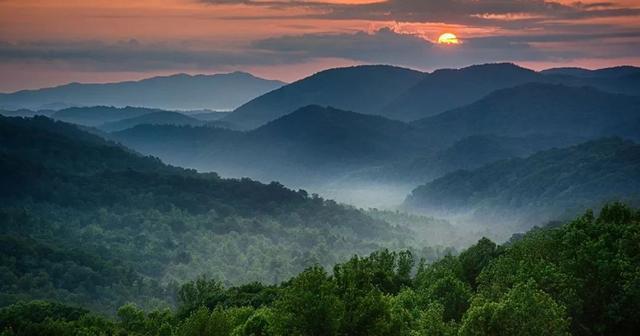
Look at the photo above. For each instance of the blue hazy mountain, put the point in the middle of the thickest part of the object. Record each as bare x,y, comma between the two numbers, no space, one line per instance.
176,92
310,142
449,88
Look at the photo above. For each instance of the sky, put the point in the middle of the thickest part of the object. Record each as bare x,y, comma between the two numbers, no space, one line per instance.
51,42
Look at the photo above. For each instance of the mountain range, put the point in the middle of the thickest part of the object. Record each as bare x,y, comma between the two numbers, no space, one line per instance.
176,92
408,95
492,112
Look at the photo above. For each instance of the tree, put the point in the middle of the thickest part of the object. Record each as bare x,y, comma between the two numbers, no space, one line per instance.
452,294
475,258
524,311
132,318
308,305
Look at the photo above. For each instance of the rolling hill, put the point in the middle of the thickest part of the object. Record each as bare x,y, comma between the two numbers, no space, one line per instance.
176,92
153,118
363,89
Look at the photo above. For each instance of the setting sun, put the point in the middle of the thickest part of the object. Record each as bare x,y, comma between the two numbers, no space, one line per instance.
448,38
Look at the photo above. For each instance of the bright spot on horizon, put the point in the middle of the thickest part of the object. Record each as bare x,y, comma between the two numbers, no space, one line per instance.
448,38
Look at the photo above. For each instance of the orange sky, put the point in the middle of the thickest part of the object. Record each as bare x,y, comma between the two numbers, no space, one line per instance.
44,43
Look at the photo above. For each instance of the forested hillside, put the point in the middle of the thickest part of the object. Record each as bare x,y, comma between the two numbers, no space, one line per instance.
580,278
88,222
543,186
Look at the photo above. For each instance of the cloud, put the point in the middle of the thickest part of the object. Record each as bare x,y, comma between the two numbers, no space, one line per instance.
468,12
382,46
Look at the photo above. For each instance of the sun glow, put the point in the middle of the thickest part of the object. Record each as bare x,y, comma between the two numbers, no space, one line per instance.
448,38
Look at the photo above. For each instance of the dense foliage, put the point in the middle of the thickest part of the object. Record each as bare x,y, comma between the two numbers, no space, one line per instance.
582,278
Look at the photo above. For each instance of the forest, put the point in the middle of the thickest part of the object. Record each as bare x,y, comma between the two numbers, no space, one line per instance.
581,278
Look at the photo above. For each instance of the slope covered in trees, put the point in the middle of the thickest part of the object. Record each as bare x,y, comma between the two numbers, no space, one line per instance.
581,278
76,208
545,185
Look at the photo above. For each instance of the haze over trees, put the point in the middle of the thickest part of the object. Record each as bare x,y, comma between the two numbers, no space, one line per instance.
580,279
544,186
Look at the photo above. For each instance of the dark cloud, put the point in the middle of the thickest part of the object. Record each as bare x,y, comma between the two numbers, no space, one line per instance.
471,12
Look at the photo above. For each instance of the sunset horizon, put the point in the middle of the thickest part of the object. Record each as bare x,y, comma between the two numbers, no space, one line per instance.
45,43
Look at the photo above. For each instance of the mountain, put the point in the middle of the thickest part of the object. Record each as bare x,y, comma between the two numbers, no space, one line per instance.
538,109
363,89
25,113
445,89
313,141
88,222
99,115
547,185
176,92
153,118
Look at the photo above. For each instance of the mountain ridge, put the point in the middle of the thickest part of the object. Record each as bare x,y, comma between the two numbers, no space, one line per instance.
178,91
